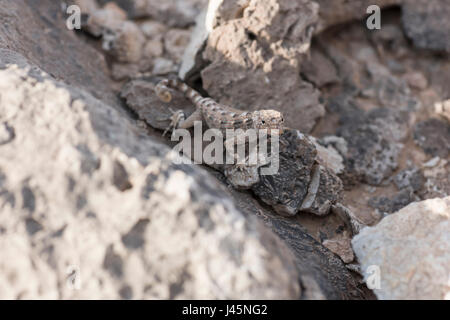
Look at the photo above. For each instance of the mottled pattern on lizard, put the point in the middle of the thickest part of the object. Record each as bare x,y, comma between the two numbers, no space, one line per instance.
217,116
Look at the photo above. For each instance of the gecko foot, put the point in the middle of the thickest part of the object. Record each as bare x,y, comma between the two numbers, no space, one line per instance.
175,119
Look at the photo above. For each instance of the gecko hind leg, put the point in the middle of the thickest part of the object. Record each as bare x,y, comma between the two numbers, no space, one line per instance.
176,118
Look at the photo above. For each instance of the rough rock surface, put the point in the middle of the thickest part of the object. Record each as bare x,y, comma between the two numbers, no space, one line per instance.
61,61
340,11
252,57
90,216
374,142
301,183
341,246
412,250
175,13
322,274
426,23
433,136
102,199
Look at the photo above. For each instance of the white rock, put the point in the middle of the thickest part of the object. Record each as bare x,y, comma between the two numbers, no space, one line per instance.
411,248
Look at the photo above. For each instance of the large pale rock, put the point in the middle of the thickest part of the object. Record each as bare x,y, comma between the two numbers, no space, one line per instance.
252,52
92,209
412,250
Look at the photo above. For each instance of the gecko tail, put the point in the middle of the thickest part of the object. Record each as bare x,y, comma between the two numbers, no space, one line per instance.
162,90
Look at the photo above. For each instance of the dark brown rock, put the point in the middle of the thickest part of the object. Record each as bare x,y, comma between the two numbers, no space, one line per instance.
433,136
426,23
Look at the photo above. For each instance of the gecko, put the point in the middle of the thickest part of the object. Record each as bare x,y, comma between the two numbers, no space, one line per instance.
216,115
221,117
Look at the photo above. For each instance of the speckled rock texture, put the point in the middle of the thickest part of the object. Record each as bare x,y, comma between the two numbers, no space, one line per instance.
101,198
412,249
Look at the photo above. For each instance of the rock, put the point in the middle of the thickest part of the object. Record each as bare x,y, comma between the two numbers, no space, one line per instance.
45,49
411,248
153,29
322,274
410,178
374,143
125,42
175,42
192,61
173,13
341,246
140,97
121,71
257,53
353,223
390,91
437,182
392,204
416,80
7,133
110,17
153,48
433,136
163,66
443,109
323,191
87,6
319,70
300,184
286,190
341,11
426,23
329,156
90,217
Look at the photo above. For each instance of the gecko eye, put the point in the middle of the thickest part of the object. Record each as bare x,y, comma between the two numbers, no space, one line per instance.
263,121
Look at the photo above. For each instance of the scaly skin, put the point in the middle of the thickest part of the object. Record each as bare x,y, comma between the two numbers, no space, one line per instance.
218,116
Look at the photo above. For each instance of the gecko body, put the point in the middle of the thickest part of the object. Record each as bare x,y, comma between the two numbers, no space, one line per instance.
216,115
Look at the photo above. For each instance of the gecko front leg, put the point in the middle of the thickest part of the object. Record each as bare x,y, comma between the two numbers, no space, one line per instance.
178,120
239,139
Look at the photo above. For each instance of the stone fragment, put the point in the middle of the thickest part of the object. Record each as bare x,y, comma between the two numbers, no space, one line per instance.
342,246
374,143
87,6
125,42
175,42
409,178
426,23
394,203
433,136
153,48
107,18
443,109
163,66
152,29
416,80
407,254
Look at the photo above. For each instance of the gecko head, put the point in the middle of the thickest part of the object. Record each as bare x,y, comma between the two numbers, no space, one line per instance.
268,119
